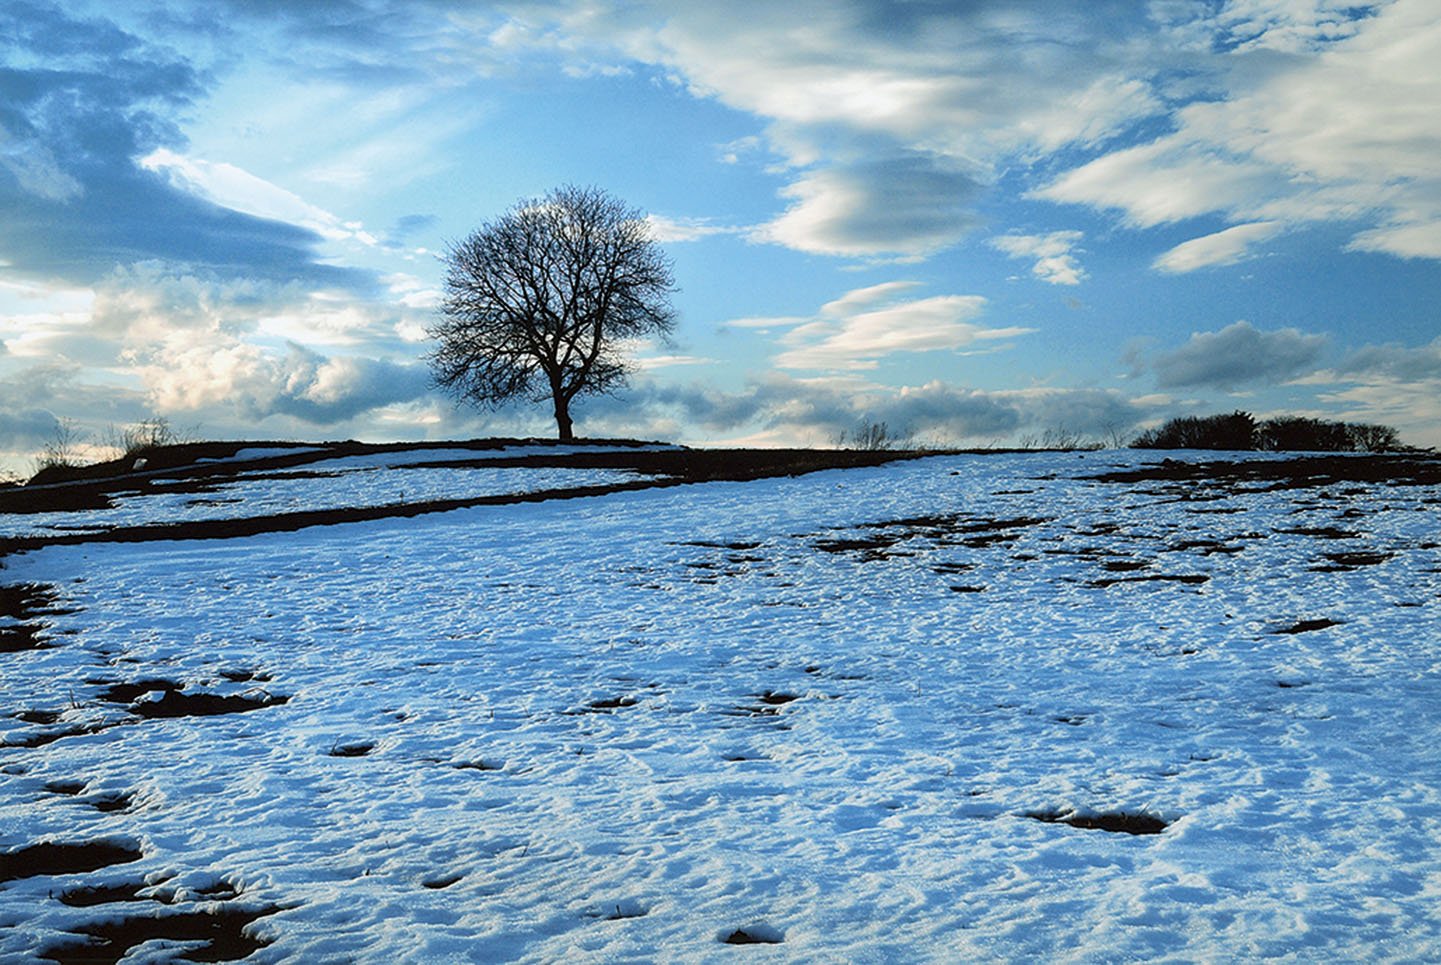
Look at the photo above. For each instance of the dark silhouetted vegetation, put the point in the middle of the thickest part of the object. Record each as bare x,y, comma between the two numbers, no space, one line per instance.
1240,431
543,302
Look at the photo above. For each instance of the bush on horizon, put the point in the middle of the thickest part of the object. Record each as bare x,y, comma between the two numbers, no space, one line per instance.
1239,431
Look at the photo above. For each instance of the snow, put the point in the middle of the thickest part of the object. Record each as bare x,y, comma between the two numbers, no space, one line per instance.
349,481
626,727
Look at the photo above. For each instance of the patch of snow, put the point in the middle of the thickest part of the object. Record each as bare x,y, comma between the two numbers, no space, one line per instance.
631,726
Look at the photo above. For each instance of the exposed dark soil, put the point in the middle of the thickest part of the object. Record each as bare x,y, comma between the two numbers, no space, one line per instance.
177,704
355,749
1306,626
1292,472
50,858
85,896
1123,822
754,936
221,929
1190,579
23,603
174,469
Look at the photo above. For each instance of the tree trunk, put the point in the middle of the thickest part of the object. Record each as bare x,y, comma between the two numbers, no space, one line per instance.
562,418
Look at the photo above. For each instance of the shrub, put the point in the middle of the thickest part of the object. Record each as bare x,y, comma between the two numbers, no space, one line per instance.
872,437
1234,431
1279,434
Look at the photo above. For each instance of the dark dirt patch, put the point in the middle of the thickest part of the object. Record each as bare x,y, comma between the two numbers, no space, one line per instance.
111,801
86,896
440,881
176,704
612,703
950,569
123,693
64,786
873,547
1318,532
1124,566
1123,822
19,637
1192,579
753,936
26,600
23,603
40,738
737,546
222,930
967,588
954,529
1350,560
478,766
775,698
354,749
1306,626
1291,473
37,716
63,858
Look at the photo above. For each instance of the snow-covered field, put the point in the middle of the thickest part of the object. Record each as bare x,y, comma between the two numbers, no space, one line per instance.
845,715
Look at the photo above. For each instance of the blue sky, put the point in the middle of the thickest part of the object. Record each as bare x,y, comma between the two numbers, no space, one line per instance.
976,222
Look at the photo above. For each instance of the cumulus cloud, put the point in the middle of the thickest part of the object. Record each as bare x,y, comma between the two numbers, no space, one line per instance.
1054,261
250,382
858,329
1239,355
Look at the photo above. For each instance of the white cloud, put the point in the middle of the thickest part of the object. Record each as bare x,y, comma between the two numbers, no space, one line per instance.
1320,115
1164,181
1224,247
667,230
889,119
239,190
866,325
907,206
1054,261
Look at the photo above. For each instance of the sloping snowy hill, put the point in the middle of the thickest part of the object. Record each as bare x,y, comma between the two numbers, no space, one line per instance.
969,707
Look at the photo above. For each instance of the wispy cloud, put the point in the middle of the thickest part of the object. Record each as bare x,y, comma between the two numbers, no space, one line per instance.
1278,139
1224,247
1055,261
864,326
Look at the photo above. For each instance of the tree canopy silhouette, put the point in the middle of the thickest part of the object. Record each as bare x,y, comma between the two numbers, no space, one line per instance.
542,302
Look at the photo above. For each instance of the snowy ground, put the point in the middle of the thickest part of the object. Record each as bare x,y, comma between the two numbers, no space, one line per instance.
846,714
377,479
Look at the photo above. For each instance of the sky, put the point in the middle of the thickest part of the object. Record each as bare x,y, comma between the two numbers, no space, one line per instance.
978,223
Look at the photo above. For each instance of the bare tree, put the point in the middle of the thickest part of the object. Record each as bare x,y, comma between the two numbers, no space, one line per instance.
541,302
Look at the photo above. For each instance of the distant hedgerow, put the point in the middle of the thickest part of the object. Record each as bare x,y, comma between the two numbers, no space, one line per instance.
1240,431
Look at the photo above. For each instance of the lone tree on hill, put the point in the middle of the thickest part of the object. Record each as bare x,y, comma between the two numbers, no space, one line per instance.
541,302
